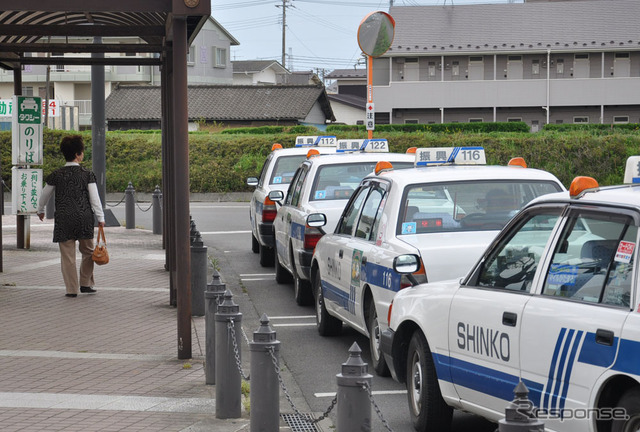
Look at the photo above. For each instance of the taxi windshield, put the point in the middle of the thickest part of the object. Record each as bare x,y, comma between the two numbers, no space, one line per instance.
338,181
466,206
285,168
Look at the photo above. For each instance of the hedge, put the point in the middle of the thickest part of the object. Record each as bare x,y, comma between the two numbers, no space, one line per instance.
477,127
596,128
222,162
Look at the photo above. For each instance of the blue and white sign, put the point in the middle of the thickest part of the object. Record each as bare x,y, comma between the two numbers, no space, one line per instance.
320,141
450,155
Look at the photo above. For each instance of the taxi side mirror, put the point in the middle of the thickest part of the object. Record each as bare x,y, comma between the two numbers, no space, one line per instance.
252,181
276,196
406,264
316,220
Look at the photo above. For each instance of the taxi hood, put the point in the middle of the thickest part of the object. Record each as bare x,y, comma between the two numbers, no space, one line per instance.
450,255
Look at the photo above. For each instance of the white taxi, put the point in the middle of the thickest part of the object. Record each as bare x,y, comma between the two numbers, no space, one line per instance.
553,304
321,185
446,211
276,174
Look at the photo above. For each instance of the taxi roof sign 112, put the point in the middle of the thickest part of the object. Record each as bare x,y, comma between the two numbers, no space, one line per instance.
450,155
320,141
376,145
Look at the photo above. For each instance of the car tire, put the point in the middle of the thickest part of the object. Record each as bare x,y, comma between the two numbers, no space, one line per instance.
266,256
630,402
428,410
255,246
326,324
377,359
282,274
302,291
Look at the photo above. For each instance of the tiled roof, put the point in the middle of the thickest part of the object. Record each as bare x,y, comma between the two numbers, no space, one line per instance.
351,100
347,73
564,25
253,66
220,103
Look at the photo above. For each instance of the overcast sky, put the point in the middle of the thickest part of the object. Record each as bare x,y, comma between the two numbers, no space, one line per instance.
320,34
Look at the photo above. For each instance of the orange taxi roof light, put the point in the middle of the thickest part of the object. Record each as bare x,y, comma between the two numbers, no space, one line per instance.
311,153
518,161
412,150
383,166
276,146
582,184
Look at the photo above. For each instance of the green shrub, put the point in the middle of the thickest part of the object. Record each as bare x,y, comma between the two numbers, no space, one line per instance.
596,128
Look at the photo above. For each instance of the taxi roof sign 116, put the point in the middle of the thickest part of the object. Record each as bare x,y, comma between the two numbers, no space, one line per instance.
375,145
450,155
320,141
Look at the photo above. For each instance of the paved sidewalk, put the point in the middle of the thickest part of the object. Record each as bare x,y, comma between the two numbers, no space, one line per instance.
103,362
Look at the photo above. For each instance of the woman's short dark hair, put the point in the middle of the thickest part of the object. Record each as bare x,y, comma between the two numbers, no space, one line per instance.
71,146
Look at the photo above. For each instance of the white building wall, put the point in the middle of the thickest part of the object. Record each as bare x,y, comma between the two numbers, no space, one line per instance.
347,114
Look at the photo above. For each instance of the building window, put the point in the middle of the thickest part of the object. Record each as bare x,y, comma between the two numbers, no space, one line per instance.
191,56
27,91
410,121
220,57
476,120
58,67
514,58
581,57
476,59
559,121
581,119
359,122
535,67
621,119
514,119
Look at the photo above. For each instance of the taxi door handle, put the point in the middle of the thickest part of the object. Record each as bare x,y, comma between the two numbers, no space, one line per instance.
340,253
604,337
509,319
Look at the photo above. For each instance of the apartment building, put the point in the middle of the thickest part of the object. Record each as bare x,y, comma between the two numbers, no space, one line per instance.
538,62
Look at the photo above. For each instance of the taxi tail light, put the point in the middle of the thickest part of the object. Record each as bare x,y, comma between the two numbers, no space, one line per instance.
420,275
268,210
311,237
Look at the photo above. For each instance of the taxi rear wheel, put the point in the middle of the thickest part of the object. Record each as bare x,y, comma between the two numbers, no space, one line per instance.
377,359
428,410
302,291
326,324
282,275
266,256
255,246
630,402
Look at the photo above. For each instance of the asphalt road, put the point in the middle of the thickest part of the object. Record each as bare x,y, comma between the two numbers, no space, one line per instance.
313,360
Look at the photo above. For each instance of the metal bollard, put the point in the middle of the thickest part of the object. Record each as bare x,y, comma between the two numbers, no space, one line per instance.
265,390
50,208
156,200
519,416
212,297
130,206
354,406
228,379
198,275
192,229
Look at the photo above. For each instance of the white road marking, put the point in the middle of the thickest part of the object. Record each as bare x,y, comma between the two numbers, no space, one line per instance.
291,317
377,392
294,325
224,232
256,274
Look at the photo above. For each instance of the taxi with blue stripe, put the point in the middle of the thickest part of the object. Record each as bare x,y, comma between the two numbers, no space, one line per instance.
276,174
553,304
321,185
446,210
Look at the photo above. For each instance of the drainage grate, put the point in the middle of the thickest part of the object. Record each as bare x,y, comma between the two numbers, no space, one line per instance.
298,424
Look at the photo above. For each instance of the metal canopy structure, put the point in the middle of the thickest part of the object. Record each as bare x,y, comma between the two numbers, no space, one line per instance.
166,29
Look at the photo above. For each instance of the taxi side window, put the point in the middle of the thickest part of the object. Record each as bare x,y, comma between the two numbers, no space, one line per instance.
366,225
296,183
350,214
593,261
263,173
513,263
297,189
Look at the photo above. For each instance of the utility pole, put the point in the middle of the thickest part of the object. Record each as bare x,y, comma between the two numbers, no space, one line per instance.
285,5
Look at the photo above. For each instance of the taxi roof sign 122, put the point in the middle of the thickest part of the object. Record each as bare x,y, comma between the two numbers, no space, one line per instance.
320,141
450,155
376,145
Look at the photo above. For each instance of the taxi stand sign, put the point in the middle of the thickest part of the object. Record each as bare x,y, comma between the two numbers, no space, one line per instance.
26,129
319,141
377,145
450,155
26,190
632,170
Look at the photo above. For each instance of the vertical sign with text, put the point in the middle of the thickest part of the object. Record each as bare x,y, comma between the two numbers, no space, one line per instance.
26,187
26,131
370,116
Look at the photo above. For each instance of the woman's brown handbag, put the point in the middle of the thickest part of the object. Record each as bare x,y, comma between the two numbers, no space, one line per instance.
100,255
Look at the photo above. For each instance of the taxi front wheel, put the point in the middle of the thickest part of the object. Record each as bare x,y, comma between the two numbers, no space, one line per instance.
630,402
428,410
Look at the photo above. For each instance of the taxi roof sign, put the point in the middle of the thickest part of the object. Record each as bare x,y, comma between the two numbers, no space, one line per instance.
376,145
316,140
450,155
632,170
